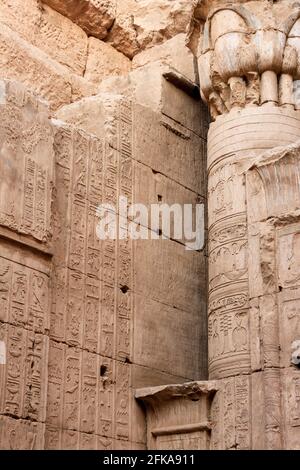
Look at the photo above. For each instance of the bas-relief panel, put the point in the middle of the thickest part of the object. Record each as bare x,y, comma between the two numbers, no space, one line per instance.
226,192
23,380
89,308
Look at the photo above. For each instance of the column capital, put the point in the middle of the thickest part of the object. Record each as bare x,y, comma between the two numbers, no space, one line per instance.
249,54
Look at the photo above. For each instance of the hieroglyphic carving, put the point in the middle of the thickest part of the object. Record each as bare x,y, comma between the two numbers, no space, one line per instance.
55,384
36,373
178,416
88,403
228,328
231,414
228,263
242,405
222,190
52,438
90,305
266,71
75,308
186,441
70,439
273,422
26,164
105,443
215,416
17,434
87,441
23,380
108,319
106,398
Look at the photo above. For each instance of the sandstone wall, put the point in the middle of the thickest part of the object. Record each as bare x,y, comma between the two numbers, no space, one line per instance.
248,66
87,322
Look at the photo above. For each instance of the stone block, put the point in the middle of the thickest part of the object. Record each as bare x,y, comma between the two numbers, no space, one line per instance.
178,415
26,165
162,328
49,31
16,434
173,52
165,146
23,379
94,17
139,25
104,61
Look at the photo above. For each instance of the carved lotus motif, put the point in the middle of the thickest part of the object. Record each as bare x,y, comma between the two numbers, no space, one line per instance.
247,41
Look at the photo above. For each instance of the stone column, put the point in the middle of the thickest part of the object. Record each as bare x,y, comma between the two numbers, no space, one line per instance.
249,58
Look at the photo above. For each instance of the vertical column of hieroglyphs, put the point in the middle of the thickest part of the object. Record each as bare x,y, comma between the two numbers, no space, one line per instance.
89,359
26,146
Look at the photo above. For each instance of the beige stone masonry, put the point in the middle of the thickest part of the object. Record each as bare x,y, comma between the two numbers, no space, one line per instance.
49,31
178,416
173,52
93,16
140,24
104,61
26,63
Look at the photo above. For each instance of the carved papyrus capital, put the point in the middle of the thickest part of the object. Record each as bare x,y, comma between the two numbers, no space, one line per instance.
249,54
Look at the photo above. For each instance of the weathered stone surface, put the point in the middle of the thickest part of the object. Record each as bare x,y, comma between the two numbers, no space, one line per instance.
173,52
104,61
93,16
178,415
248,55
84,321
253,212
26,165
46,29
141,24
41,74
18,434
167,91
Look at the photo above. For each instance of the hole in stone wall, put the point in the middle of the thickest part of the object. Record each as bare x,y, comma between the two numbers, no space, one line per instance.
159,198
124,289
103,371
